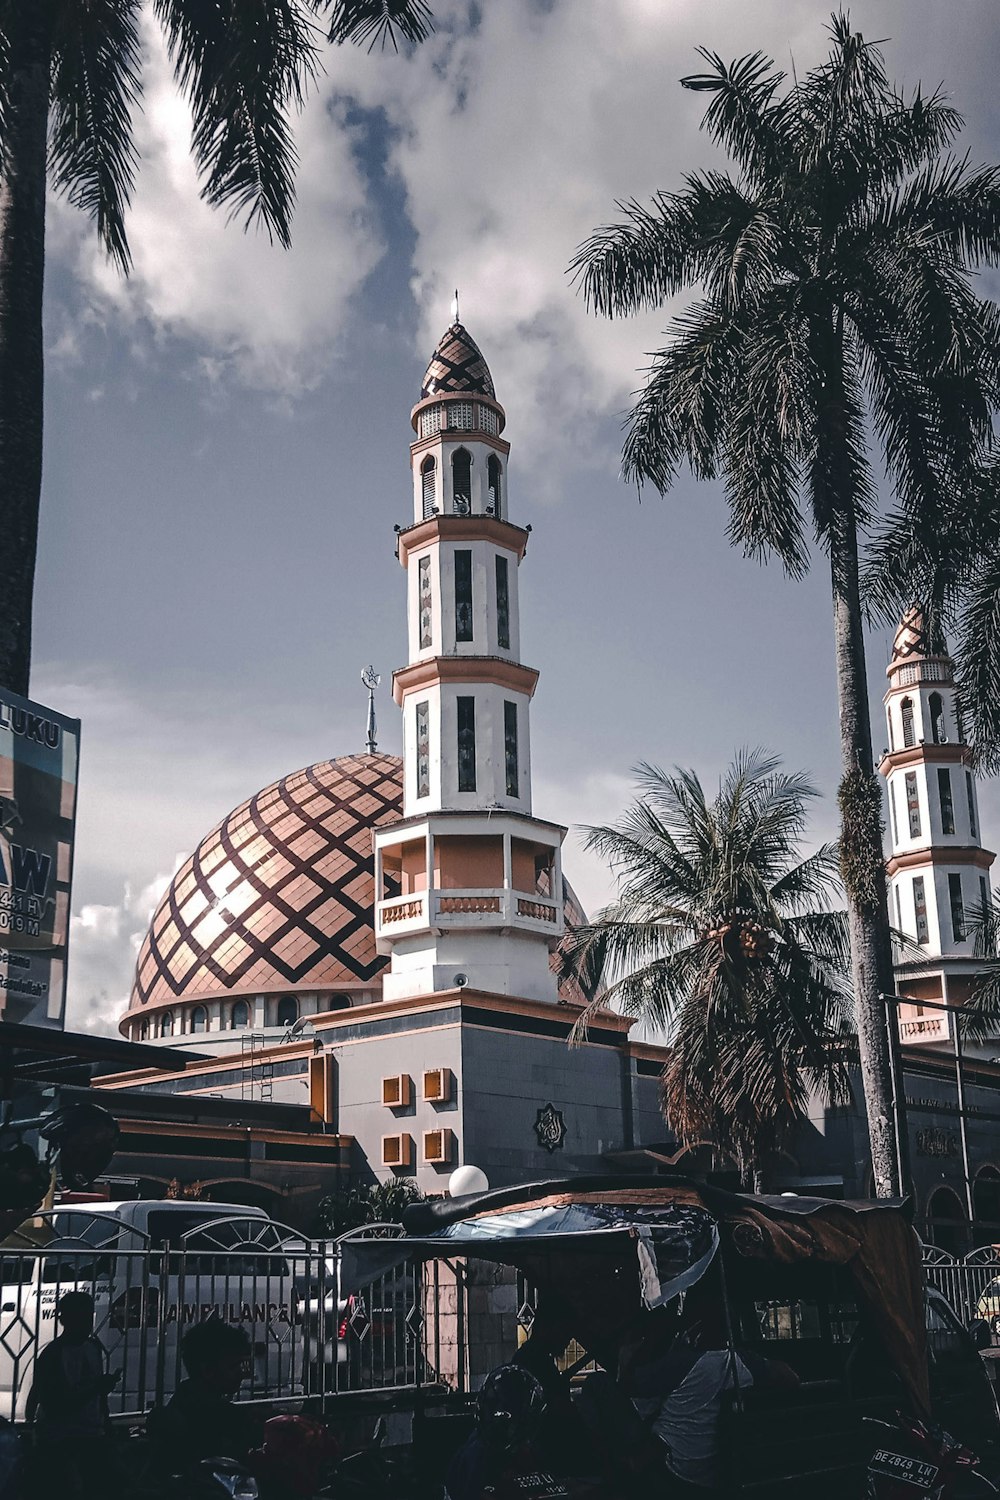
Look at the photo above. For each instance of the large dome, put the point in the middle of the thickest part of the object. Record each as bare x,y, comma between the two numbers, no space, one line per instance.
278,900
279,896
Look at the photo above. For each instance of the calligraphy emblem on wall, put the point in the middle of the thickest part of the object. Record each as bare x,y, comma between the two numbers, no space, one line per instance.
550,1127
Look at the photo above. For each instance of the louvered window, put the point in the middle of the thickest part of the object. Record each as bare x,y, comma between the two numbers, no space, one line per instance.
503,604
920,909
463,595
510,748
428,487
909,733
466,744
957,908
494,496
461,481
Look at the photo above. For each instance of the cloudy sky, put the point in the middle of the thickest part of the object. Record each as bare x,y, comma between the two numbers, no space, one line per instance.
227,438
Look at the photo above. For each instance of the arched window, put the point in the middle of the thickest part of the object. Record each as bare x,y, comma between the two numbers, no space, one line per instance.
906,709
493,483
239,1016
428,486
461,481
167,1023
937,718
144,1031
946,1222
888,723
986,1205
199,1019
288,1010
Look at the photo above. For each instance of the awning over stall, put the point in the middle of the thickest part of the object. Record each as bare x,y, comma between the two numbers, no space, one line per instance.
616,1246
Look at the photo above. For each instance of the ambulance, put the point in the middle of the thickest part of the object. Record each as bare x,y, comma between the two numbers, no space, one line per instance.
154,1268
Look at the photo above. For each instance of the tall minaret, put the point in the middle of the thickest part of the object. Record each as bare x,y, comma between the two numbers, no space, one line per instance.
939,870
468,884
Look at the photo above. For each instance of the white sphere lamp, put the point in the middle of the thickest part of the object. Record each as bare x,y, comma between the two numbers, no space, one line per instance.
467,1180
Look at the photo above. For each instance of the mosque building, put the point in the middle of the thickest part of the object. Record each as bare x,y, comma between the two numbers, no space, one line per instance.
366,953
377,940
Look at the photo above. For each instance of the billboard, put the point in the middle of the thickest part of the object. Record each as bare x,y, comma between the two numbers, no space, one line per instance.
39,756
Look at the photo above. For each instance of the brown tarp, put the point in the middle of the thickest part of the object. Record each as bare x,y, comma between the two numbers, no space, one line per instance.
873,1241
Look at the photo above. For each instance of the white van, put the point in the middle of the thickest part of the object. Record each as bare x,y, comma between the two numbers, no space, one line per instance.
153,1268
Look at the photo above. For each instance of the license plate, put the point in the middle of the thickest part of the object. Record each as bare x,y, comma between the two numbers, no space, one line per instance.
915,1471
539,1486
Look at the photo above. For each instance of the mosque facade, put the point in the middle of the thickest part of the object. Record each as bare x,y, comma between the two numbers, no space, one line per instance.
377,940
369,947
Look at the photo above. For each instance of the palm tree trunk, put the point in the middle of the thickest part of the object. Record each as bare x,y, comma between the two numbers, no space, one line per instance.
863,863
22,272
862,856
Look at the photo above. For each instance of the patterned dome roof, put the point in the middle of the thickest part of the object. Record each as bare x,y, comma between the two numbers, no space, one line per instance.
457,367
280,895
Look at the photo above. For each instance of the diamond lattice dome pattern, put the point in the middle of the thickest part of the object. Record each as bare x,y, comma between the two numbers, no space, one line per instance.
279,896
457,367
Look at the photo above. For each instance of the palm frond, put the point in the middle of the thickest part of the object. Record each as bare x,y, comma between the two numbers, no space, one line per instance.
743,115
95,87
378,22
244,65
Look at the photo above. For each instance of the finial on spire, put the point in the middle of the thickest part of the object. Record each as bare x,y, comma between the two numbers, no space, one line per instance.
371,679
454,308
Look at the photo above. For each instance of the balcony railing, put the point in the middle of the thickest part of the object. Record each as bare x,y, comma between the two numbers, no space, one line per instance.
458,908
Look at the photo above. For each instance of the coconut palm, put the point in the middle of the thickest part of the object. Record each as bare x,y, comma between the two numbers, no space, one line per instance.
952,573
722,940
832,302
70,81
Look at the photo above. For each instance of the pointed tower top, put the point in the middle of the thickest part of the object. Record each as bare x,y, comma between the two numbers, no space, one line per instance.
916,638
457,367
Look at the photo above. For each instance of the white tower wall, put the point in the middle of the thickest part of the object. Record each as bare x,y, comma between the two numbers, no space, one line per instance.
470,882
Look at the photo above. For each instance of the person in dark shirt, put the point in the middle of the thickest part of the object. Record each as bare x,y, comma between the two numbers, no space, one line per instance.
563,1435
68,1405
201,1420
503,1448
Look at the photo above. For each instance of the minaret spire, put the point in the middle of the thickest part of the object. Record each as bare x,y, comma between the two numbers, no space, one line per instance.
938,869
480,875
455,317
371,679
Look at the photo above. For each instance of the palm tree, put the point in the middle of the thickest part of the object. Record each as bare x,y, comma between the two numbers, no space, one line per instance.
69,83
832,300
721,939
366,1203
951,572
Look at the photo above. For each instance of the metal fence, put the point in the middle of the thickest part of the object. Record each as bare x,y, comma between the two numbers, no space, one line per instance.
971,1284
305,1340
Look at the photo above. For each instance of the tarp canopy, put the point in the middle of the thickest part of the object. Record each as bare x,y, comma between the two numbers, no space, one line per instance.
613,1247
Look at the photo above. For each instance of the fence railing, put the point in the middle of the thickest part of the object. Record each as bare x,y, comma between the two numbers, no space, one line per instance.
305,1340
971,1284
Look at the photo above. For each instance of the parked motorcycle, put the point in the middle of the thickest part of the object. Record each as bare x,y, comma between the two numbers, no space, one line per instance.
917,1460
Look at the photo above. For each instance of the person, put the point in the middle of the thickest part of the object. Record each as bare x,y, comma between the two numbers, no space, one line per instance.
201,1420
679,1391
563,1437
68,1405
503,1447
